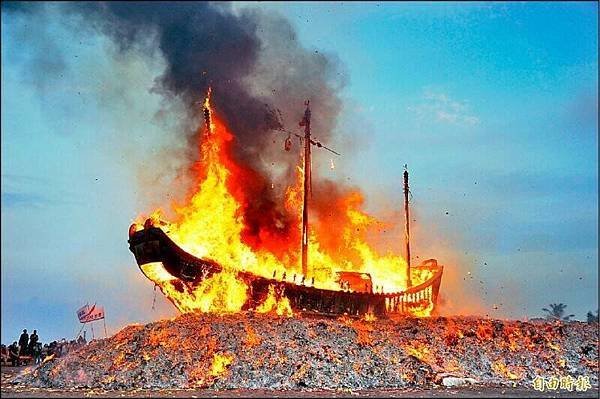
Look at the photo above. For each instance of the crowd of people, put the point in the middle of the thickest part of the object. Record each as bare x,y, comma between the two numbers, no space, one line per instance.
30,349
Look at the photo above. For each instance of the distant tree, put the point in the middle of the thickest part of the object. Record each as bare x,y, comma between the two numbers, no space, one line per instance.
591,318
557,311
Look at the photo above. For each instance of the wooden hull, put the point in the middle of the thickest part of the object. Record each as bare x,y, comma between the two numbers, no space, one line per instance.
153,245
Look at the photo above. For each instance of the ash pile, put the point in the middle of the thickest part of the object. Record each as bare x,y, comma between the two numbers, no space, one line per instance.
251,351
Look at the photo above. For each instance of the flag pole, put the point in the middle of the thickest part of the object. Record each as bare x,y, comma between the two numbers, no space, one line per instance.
77,336
104,321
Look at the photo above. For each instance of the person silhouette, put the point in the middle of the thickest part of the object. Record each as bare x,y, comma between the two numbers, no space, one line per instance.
23,342
33,340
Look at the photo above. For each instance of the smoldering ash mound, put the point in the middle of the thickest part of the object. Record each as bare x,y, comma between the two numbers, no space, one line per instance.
264,351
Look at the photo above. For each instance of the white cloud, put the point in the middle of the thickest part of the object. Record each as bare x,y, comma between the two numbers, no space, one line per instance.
438,106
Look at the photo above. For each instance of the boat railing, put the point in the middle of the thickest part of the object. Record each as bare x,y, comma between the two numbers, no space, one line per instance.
419,296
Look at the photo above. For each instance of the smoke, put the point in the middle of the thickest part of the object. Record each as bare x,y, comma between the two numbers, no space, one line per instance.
252,60
253,63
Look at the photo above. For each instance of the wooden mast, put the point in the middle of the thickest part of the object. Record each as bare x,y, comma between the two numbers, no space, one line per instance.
307,187
308,141
407,227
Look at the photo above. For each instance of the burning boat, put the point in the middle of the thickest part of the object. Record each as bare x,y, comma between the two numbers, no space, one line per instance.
154,250
202,263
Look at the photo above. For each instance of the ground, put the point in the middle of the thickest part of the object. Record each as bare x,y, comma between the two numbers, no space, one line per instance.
250,355
16,391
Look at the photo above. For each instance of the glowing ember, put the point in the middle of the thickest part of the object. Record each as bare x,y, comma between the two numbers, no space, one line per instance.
251,338
553,346
419,350
507,372
48,358
220,363
484,331
238,351
370,317
363,332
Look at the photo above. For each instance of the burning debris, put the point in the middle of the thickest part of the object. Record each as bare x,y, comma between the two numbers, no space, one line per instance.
260,351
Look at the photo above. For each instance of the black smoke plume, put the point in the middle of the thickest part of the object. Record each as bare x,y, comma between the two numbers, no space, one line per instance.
254,63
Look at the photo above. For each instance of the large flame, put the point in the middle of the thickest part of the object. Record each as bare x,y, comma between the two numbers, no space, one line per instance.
211,224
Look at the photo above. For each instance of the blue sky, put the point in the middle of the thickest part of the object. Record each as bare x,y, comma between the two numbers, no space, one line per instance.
492,105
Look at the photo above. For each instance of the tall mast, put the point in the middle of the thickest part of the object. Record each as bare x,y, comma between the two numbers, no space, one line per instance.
407,226
308,141
307,187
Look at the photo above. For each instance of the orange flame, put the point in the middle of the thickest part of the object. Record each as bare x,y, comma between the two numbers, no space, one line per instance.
252,339
279,306
211,224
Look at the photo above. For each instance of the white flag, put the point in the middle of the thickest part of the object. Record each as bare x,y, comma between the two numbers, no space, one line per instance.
82,312
90,313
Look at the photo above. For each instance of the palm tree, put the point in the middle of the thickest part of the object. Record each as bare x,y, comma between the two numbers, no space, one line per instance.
557,311
591,318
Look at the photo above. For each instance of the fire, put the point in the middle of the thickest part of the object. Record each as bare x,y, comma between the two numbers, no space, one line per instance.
222,292
554,346
212,223
252,339
419,350
514,335
363,333
369,317
220,363
484,331
280,306
421,309
507,372
453,334
48,358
